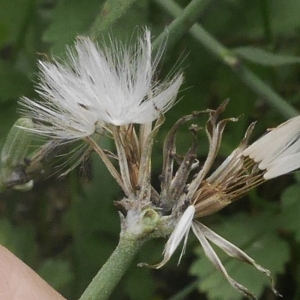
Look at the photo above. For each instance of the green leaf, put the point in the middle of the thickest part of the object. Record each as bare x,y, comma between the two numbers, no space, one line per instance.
262,57
145,289
19,240
242,20
12,16
111,11
71,18
291,209
3,33
257,237
13,83
61,269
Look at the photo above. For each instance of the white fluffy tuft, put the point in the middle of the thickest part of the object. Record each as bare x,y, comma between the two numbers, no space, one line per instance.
278,152
113,85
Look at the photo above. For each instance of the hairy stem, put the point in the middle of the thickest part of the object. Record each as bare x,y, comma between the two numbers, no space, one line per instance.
112,271
137,228
229,58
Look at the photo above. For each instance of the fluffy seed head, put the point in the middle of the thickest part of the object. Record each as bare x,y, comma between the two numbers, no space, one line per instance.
113,84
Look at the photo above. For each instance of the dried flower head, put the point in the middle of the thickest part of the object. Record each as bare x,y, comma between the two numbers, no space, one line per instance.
275,154
113,84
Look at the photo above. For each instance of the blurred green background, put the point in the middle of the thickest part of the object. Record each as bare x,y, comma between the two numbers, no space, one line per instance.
65,229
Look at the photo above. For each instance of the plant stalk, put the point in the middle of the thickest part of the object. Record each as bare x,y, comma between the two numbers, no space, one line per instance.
232,60
111,12
182,23
112,271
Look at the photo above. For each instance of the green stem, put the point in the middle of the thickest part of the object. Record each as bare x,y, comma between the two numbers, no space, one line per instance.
111,11
229,58
266,19
182,23
112,271
136,229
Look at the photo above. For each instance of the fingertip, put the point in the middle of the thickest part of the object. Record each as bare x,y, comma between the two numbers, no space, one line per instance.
18,281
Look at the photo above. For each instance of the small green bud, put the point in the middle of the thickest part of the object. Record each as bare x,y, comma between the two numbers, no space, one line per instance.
14,154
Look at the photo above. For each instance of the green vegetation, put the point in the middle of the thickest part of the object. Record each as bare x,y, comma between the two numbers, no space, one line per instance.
248,51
